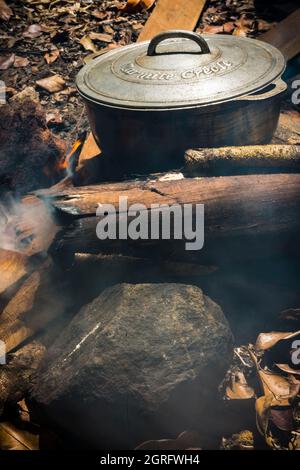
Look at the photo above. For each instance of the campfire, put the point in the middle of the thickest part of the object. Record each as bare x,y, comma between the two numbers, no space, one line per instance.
181,333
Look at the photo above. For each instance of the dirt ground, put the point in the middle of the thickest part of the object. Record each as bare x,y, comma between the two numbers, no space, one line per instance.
43,38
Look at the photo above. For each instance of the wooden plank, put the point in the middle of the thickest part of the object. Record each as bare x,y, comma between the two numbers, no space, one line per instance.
285,35
172,14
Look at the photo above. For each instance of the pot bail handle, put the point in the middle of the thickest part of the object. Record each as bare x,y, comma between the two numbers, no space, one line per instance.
178,33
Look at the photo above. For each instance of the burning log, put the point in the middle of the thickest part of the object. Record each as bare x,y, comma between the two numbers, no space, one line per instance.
247,159
12,267
23,300
37,303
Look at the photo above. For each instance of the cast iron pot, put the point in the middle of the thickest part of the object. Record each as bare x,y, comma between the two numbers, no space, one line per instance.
149,102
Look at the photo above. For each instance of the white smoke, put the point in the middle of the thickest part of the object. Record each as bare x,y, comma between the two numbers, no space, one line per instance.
26,226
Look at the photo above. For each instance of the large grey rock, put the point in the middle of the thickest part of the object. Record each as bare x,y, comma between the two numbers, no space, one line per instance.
141,361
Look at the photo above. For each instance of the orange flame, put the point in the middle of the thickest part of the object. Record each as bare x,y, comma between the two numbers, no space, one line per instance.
64,163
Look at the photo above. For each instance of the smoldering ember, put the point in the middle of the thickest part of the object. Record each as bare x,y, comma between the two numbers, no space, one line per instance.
149,230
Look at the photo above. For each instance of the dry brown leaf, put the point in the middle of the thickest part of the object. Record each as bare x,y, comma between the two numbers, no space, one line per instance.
5,11
108,29
262,408
263,25
59,96
239,31
51,56
33,31
280,388
88,44
27,93
46,28
100,15
92,56
286,368
138,5
6,61
54,118
10,91
21,61
224,28
282,417
239,389
53,84
12,438
23,410
89,150
137,26
101,37
11,41
268,340
244,440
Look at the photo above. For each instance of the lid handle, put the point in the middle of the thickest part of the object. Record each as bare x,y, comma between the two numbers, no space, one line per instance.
178,33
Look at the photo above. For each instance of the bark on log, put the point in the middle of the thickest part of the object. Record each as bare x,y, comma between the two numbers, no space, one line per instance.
226,198
249,159
288,130
15,376
251,206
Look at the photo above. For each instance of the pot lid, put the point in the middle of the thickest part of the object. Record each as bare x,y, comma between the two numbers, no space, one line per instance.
179,69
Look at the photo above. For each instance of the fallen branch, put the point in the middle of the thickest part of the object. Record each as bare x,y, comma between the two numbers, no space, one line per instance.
249,159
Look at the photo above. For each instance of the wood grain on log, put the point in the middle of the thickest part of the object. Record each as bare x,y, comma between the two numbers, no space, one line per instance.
13,268
285,35
39,301
288,130
233,194
23,300
249,206
172,14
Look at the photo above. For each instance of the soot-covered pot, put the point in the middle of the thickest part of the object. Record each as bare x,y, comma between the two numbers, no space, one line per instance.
148,102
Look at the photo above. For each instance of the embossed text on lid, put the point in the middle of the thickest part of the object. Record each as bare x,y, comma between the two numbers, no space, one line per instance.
180,72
